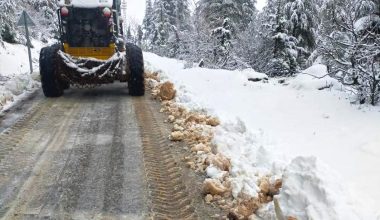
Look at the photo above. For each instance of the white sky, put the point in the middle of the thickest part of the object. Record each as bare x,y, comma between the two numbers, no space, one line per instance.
136,8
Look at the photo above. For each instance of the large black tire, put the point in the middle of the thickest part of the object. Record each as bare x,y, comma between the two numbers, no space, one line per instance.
135,63
65,85
51,85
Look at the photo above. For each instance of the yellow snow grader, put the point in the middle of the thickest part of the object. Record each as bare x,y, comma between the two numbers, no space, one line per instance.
91,50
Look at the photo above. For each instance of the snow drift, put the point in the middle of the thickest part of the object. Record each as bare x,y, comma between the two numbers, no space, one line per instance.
297,130
15,79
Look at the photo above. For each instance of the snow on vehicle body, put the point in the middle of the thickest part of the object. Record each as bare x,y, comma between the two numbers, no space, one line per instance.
86,3
91,49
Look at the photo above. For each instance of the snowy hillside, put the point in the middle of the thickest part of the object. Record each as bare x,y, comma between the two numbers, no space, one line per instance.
303,129
14,64
42,13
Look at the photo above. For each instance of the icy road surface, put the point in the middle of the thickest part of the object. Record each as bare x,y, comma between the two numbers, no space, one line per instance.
93,154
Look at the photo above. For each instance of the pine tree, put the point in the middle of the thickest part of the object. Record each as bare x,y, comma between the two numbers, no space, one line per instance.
213,13
7,19
166,25
139,36
302,19
173,42
8,34
222,44
162,24
248,11
129,35
257,40
182,15
41,11
148,25
45,17
285,51
273,50
211,16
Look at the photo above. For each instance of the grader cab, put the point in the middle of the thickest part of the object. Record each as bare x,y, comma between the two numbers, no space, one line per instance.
91,50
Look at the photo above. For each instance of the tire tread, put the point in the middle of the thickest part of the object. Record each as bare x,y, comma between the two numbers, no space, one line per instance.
49,82
135,60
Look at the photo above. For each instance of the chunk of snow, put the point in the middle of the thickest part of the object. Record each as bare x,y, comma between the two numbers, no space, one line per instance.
252,75
317,70
311,190
214,172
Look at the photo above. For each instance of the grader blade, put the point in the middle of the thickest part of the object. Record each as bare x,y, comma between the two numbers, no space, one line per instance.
83,71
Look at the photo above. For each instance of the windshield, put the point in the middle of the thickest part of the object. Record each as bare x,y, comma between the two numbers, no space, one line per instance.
85,27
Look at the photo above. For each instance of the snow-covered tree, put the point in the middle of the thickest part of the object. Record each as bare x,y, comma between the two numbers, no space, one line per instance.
210,18
302,21
222,44
257,43
173,42
352,48
273,49
148,25
163,20
285,50
223,55
179,39
129,35
212,13
248,12
139,36
171,21
7,19
41,11
182,14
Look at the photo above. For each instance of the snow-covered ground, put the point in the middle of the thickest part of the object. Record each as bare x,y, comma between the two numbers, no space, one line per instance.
15,78
305,130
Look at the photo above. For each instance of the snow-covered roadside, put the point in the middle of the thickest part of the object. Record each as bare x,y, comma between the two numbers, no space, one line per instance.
15,79
275,124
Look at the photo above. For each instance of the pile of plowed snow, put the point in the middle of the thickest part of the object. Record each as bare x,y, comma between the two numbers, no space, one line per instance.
302,130
197,129
15,77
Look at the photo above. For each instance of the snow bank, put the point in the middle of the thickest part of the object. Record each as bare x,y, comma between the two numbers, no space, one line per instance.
14,58
15,79
315,77
249,159
311,189
266,125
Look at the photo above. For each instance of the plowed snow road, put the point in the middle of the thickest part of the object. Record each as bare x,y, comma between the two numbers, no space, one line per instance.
94,154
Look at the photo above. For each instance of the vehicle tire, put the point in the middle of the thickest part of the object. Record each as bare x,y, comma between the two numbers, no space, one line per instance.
65,85
135,63
51,85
